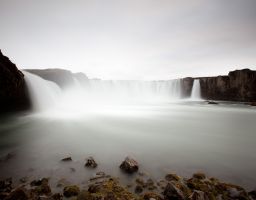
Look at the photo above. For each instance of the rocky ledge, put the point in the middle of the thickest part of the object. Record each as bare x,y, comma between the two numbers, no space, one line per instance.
105,187
238,85
141,187
13,91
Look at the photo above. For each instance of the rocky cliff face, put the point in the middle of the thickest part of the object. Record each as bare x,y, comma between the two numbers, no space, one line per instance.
13,91
63,78
239,85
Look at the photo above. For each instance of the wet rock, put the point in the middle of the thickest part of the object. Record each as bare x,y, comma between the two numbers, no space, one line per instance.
129,165
199,175
212,102
138,189
72,190
66,159
38,182
94,188
90,162
171,192
84,195
198,195
43,188
6,185
172,177
252,194
57,196
18,194
152,196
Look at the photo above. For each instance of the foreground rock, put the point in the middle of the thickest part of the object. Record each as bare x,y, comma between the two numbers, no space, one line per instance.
13,90
91,163
129,165
198,187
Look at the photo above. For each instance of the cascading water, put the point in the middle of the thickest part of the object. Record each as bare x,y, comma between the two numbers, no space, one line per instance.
196,90
44,94
95,94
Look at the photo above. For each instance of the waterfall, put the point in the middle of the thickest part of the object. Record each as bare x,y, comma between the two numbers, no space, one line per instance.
44,94
134,90
196,90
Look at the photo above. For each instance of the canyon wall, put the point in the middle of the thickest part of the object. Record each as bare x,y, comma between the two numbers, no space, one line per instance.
13,91
238,85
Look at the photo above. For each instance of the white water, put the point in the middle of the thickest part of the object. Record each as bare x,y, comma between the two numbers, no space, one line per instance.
196,90
96,94
44,94
173,136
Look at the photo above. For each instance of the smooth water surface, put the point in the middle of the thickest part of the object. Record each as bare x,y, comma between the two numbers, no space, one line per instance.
183,137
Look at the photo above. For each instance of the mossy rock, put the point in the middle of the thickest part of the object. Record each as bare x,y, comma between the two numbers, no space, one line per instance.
72,190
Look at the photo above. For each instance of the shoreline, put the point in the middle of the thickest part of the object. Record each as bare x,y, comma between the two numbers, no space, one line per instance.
142,187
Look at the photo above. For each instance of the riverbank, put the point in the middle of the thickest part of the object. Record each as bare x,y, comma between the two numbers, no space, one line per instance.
141,187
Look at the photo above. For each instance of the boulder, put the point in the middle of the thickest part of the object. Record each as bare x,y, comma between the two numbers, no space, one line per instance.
90,162
71,190
171,192
129,165
18,194
66,159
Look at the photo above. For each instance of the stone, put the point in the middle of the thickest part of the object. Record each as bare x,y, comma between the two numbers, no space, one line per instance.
171,177
6,185
152,196
129,165
199,175
18,194
71,190
90,162
43,188
138,189
252,194
198,195
84,195
66,159
171,192
212,102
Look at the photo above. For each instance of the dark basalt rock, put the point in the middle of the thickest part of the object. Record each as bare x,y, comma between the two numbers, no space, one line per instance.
90,162
171,192
66,159
239,85
13,91
19,194
129,165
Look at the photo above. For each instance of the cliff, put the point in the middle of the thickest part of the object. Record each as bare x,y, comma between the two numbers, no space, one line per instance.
238,85
13,91
63,78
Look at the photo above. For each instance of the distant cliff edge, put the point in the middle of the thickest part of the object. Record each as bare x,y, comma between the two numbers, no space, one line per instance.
238,85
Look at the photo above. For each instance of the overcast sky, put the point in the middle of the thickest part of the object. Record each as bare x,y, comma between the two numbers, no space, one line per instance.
131,39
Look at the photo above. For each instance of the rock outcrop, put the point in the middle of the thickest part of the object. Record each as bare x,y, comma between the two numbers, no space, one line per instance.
239,85
13,91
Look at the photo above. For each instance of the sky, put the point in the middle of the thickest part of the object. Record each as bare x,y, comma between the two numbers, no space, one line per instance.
131,39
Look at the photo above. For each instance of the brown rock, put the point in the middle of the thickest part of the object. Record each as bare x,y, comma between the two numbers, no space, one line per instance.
72,190
129,165
66,159
90,162
18,194
171,192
